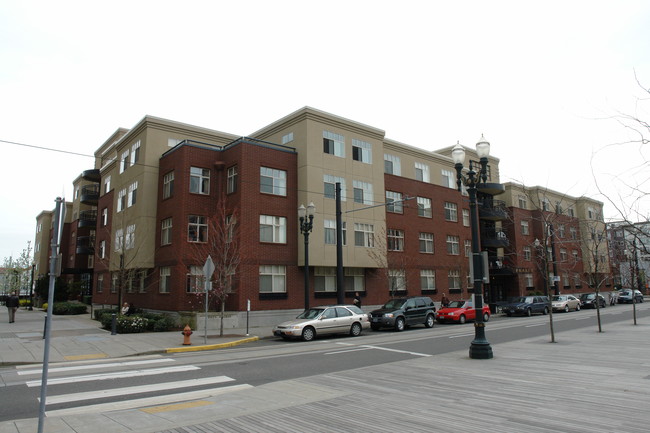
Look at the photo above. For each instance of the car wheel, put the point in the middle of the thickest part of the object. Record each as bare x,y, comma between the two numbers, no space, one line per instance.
461,319
355,329
578,307
529,312
566,308
375,327
430,321
486,317
399,324
545,312
308,333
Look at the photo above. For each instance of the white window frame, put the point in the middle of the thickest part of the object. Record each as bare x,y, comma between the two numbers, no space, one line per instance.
165,279
199,225
453,279
395,164
427,279
424,207
453,245
275,226
324,279
394,202
525,229
334,144
364,235
468,247
104,220
426,243
133,194
195,280
451,211
124,160
364,189
135,153
448,178
529,280
522,201
107,184
396,279
466,220
395,240
329,186
168,185
287,138
422,172
166,231
329,229
121,200
119,239
199,180
102,249
129,240
278,277
361,151
277,179
528,253
232,180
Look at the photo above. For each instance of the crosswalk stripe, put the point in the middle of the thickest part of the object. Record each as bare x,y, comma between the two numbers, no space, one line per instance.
105,393
115,375
148,401
100,366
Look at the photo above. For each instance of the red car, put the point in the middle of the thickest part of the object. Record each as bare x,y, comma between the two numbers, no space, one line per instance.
460,311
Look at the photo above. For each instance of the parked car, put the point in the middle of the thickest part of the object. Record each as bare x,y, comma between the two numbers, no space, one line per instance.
398,313
526,306
588,300
334,319
565,303
460,311
625,296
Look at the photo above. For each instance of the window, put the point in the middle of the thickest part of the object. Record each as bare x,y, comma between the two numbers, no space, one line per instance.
421,172
451,211
561,231
362,192
107,184
273,229
392,165
76,193
424,207
571,212
394,202
102,250
273,181
166,231
529,280
171,142
546,205
133,194
426,243
232,180
591,213
563,254
124,160
330,182
524,228
574,253
466,217
129,241
453,245
197,229
287,138
168,185
324,279
364,235
573,232
272,279
396,279
121,200
395,240
165,279
135,152
523,201
527,253
448,179
100,283
334,144
361,151
427,279
195,280
114,282
199,180
576,281
330,232
453,279
565,279
558,208
468,248
353,280
104,220
119,239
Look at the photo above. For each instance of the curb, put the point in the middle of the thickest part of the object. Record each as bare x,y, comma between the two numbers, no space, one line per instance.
210,346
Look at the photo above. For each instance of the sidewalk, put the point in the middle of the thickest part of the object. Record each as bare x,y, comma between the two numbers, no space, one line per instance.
587,382
80,337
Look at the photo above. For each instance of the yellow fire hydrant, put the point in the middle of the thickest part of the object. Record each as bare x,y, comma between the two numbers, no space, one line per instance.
186,335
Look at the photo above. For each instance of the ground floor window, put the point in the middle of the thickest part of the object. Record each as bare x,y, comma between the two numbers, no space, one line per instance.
273,279
195,280
324,279
354,279
453,278
396,280
165,279
427,279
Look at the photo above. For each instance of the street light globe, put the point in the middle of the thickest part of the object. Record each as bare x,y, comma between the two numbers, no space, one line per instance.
302,211
311,209
458,154
483,148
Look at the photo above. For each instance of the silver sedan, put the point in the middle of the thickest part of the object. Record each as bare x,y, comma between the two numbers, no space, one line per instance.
334,319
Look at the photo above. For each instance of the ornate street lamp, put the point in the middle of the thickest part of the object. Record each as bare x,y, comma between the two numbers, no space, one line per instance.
479,348
306,217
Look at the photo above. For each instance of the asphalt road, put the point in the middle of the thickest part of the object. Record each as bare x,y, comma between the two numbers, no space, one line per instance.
74,385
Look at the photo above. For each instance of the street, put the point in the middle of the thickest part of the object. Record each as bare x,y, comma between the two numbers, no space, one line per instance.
111,384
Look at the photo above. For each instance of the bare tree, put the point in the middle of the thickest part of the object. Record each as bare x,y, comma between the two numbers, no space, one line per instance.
392,262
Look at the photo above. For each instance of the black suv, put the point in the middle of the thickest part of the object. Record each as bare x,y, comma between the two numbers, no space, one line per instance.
398,313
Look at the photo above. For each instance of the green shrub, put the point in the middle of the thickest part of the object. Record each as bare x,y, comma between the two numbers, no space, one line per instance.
164,324
68,308
99,312
106,319
131,324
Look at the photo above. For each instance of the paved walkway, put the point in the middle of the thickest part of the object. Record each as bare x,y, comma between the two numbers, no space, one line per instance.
586,382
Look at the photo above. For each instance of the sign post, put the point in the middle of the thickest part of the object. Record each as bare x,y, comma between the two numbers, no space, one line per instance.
208,270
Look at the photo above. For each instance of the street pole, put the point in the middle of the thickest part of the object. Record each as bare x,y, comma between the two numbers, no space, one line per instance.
340,295
556,288
306,220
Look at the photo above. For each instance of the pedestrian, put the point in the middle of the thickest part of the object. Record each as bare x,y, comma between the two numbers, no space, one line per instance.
444,301
125,308
357,299
12,305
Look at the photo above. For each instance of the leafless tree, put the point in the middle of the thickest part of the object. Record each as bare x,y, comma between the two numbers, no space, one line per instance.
392,263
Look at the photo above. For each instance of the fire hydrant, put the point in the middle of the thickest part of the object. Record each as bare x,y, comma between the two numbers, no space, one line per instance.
186,335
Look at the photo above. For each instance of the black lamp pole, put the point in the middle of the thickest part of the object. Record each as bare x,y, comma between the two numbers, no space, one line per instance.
31,290
480,348
306,217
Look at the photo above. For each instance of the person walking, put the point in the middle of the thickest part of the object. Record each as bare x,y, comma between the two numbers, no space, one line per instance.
444,301
12,305
357,299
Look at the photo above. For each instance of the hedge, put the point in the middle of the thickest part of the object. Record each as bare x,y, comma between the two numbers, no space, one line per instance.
68,308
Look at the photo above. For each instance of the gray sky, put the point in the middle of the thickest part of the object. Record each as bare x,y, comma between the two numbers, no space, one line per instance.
540,80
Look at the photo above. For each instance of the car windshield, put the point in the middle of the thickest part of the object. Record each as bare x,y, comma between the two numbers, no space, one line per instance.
588,296
312,313
394,304
456,304
560,298
523,299
355,309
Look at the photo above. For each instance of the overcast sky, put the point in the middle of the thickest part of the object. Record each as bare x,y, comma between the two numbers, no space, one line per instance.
541,80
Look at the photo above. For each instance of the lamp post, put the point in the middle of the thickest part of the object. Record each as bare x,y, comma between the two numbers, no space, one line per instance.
479,348
306,217
544,256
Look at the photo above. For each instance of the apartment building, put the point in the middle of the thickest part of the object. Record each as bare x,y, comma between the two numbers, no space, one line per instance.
142,222
629,254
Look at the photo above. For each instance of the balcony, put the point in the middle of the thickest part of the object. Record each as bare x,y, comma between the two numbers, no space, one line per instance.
90,194
85,245
87,218
491,238
500,265
91,175
492,210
